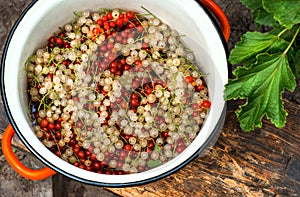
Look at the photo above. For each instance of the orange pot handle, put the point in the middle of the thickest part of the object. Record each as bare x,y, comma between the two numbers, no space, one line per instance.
220,15
28,173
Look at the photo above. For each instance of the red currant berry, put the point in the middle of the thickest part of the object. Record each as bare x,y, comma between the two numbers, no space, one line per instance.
44,123
104,18
119,22
51,126
135,102
81,155
199,88
112,24
121,15
129,15
96,30
59,41
127,147
189,79
205,104
99,22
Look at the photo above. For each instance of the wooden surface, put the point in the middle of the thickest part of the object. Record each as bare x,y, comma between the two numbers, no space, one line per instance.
265,162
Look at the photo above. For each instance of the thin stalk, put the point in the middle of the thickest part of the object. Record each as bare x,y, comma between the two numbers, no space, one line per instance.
148,11
291,43
282,32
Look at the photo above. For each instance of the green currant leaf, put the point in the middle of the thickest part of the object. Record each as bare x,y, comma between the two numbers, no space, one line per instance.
252,4
253,43
157,148
262,84
286,12
154,163
261,16
297,64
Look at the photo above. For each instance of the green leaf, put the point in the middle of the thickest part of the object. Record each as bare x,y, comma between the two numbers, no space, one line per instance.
157,148
262,84
154,163
252,4
253,43
286,12
297,64
261,16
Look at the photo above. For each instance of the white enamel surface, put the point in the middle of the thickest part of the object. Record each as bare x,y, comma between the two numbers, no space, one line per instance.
43,19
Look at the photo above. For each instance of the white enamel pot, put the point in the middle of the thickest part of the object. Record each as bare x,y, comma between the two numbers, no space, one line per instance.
39,20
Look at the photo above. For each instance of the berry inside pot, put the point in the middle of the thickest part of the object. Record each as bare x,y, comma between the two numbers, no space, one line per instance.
116,92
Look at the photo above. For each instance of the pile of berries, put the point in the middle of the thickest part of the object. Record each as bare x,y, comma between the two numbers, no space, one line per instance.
116,92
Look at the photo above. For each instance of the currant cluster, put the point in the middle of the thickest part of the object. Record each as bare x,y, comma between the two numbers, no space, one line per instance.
116,92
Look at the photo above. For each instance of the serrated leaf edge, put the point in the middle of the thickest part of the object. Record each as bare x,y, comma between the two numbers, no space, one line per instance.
259,125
